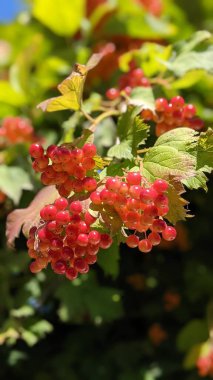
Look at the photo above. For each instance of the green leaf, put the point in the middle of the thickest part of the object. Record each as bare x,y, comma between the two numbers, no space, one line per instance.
143,97
63,20
192,61
109,260
122,150
149,58
194,332
13,180
30,338
24,311
182,139
132,131
190,78
99,226
203,152
41,328
165,161
85,297
195,40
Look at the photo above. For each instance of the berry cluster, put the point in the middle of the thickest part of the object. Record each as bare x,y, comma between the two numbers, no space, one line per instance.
173,114
133,78
16,130
64,167
65,239
141,207
205,365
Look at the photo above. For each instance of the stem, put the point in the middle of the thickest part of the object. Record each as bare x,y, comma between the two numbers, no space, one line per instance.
143,150
102,116
87,116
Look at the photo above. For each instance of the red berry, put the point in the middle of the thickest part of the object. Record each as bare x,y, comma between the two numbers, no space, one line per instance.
154,238
158,225
145,245
61,203
89,184
71,273
160,185
48,212
76,207
132,241
95,197
63,217
89,150
177,102
189,111
133,178
36,151
112,93
169,233
148,195
106,241
161,104
94,237
113,184
82,240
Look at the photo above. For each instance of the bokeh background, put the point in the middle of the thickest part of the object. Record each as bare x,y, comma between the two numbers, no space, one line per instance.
133,316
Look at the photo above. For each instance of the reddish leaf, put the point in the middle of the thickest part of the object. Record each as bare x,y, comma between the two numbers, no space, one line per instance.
27,217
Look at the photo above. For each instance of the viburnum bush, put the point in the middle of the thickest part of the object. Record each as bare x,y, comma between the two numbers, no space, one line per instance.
133,194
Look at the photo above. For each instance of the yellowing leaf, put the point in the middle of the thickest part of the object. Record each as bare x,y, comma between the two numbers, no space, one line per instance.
71,88
100,163
177,210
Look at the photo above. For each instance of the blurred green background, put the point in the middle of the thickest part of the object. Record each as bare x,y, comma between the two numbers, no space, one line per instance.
133,316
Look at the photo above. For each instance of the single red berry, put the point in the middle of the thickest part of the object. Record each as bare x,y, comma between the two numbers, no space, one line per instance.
76,207
89,184
82,240
112,93
48,212
154,238
113,184
132,241
148,195
89,150
71,274
133,178
36,151
161,104
95,197
89,219
160,185
61,203
177,102
145,246
62,217
94,237
169,233
158,225
189,111
106,241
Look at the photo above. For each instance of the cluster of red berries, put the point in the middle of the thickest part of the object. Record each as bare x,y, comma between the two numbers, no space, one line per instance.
173,114
205,365
65,239
66,168
16,130
133,78
141,207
